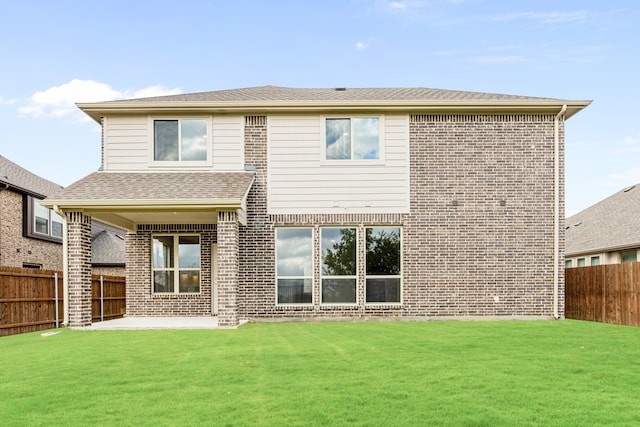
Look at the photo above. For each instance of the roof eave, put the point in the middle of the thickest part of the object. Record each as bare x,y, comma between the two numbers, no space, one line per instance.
100,109
156,204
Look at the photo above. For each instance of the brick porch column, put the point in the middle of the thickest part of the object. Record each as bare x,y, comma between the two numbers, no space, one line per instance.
79,274
228,252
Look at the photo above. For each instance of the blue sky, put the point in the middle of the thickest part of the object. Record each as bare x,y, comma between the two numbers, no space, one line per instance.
57,53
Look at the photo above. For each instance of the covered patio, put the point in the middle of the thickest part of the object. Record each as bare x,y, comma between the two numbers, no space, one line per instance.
207,204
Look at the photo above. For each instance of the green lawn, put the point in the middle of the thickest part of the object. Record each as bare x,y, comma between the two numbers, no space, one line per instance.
548,373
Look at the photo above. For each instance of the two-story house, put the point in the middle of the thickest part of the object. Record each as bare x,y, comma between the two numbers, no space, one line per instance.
282,203
30,234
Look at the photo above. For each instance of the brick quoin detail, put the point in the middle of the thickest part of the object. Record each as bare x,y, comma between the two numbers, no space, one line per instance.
228,245
79,280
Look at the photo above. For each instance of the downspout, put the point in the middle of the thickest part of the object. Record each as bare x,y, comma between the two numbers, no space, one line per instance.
556,211
65,265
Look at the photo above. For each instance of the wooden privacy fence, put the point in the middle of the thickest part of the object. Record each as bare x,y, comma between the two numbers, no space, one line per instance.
29,301
604,293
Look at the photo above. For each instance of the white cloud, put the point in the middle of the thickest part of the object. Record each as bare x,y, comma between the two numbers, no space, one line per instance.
361,45
545,17
59,101
504,59
9,101
397,5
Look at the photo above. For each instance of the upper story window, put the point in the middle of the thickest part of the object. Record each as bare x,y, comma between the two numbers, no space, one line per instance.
180,140
42,223
352,138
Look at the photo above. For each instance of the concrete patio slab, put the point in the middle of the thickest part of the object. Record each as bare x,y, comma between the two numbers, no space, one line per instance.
136,323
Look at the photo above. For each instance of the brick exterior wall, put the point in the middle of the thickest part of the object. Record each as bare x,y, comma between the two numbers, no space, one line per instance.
141,301
79,257
478,240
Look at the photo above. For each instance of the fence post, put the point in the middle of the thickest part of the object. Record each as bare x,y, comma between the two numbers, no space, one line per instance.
55,284
101,299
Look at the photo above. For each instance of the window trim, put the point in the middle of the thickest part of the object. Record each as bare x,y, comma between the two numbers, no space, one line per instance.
353,277
352,162
29,219
629,252
313,269
176,266
379,276
180,163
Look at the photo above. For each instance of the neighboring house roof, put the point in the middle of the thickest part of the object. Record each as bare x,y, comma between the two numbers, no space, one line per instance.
611,224
108,248
21,180
275,98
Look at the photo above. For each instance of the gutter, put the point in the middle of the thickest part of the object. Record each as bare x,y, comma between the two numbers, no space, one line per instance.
65,264
543,106
556,210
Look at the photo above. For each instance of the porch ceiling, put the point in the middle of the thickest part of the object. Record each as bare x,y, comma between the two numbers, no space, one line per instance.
128,199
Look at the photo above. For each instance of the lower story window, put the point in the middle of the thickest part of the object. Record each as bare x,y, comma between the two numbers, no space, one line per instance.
383,266
338,265
341,276
294,265
176,263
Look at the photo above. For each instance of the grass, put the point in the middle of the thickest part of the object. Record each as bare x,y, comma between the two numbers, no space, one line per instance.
565,373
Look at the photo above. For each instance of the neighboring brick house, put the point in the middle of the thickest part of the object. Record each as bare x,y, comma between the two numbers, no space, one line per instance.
281,203
30,234
607,232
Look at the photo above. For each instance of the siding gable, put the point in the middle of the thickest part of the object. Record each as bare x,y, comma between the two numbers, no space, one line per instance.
300,182
128,142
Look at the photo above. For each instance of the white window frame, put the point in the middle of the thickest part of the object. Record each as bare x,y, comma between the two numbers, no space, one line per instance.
180,163
176,264
379,276
306,277
351,162
353,277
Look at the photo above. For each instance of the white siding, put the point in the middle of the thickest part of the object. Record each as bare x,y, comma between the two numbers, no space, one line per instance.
129,141
126,143
228,147
300,182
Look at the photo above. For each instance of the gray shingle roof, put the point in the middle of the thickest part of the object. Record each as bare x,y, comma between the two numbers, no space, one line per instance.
612,223
149,186
278,93
108,247
22,180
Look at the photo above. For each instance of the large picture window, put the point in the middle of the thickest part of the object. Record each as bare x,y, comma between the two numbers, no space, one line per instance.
294,265
383,265
354,138
339,265
180,140
176,264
